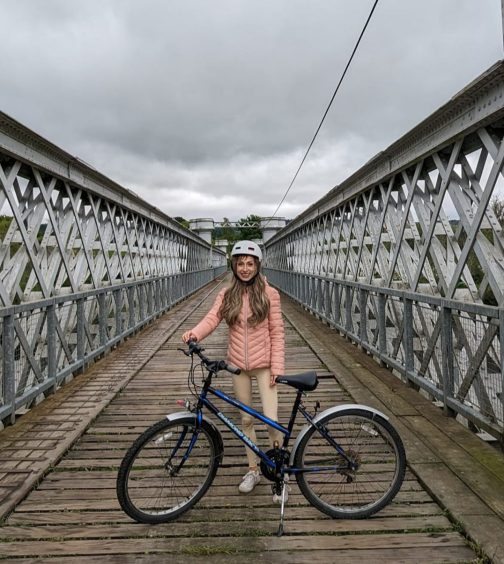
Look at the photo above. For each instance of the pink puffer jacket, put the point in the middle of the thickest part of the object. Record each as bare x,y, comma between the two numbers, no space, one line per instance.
249,347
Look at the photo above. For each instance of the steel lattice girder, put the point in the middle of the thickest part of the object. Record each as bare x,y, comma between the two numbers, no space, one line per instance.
419,219
73,229
68,231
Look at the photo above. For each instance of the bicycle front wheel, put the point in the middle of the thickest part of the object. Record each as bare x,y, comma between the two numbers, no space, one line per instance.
154,483
360,487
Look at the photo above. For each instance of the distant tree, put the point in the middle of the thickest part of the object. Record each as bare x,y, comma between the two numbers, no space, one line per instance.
497,206
182,221
221,231
5,221
250,233
226,231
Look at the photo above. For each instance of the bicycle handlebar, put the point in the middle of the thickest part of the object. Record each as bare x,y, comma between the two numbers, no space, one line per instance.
214,365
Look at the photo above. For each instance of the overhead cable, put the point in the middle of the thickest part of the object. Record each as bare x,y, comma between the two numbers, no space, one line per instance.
327,109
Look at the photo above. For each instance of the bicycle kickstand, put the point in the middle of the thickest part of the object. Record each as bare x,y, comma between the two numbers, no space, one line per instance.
282,507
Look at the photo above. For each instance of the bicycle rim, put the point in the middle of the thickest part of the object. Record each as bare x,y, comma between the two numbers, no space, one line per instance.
154,483
340,490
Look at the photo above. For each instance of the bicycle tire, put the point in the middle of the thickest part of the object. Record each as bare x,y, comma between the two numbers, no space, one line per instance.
368,439
148,488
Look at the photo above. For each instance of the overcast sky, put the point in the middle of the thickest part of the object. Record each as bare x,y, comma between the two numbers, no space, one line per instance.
206,107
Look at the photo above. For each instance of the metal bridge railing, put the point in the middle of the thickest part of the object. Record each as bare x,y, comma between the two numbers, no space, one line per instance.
406,256
84,262
452,350
44,342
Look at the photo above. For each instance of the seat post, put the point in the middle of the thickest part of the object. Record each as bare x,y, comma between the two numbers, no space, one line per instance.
292,419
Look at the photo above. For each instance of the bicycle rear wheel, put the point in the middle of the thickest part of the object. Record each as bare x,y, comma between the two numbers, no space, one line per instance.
154,484
329,482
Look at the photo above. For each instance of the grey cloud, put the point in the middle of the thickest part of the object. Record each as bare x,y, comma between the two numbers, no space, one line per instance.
223,97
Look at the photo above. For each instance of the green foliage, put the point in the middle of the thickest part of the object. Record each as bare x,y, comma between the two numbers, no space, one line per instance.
250,233
232,234
182,221
497,206
225,232
5,221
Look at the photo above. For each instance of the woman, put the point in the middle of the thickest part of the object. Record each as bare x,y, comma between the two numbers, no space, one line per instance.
252,310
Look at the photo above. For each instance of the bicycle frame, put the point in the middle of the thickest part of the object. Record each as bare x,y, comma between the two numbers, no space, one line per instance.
165,492
204,401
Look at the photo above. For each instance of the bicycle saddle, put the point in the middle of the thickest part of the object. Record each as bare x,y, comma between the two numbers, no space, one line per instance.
306,382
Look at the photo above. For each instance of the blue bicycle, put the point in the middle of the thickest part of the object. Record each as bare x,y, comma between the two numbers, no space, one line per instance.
348,461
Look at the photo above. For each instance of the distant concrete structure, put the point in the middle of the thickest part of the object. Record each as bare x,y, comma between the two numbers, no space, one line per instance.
270,226
221,244
203,227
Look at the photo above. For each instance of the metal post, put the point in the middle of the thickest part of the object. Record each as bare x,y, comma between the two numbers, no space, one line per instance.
501,339
8,365
51,346
150,303
337,305
131,307
409,359
169,292
165,294
348,309
327,299
80,332
363,294
382,327
141,301
447,360
102,319
118,312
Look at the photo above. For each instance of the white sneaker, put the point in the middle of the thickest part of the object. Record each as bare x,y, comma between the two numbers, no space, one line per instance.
249,481
278,498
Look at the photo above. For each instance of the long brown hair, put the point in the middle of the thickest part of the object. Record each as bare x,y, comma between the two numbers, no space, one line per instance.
233,298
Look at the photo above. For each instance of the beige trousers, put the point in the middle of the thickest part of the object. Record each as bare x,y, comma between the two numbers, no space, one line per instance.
269,399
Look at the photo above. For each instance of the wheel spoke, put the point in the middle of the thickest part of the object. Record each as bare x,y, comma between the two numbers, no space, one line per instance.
371,479
155,483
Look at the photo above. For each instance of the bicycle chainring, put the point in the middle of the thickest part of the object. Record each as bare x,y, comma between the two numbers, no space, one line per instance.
276,455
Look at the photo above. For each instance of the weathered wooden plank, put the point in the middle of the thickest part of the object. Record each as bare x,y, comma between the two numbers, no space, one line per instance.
259,500
235,545
425,555
75,511
215,528
199,514
490,485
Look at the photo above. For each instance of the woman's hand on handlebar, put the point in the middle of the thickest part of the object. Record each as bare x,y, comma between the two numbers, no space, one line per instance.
189,336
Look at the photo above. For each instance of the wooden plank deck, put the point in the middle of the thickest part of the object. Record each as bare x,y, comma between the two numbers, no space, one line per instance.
58,466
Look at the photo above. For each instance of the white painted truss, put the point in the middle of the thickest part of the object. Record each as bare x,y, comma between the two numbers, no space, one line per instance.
407,255
84,262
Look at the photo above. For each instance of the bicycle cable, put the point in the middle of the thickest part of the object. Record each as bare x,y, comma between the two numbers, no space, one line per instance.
191,383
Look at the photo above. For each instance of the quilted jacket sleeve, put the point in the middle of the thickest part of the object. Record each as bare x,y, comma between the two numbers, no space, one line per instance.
211,320
277,336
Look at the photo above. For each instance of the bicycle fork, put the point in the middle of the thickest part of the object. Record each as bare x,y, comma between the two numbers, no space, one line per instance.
174,470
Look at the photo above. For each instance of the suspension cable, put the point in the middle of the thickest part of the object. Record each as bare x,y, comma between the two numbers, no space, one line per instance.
327,110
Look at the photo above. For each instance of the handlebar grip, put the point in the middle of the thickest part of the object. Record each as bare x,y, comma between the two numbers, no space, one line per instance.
193,346
223,365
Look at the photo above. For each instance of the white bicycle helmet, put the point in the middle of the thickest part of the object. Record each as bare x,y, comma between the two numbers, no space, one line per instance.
247,248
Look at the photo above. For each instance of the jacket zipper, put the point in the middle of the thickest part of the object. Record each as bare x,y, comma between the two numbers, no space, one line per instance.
245,310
